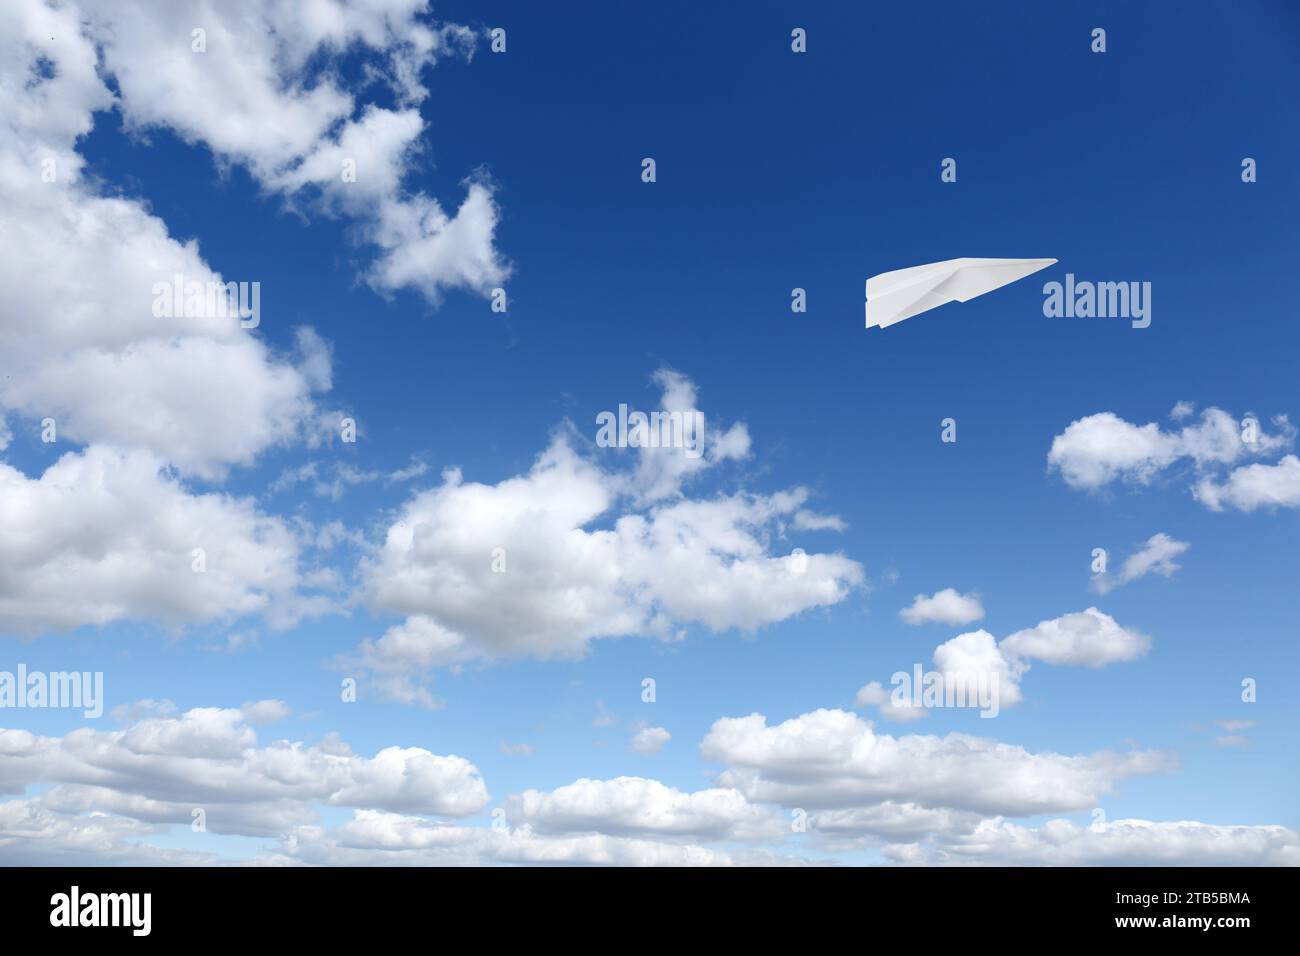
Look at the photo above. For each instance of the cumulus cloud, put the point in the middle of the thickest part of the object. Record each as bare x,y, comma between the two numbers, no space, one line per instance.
1085,639
265,711
395,661
35,833
874,694
650,740
266,94
82,343
102,791
83,348
561,584
948,606
375,838
971,669
970,658
891,822
104,795
976,660
1100,449
161,767
831,759
640,807
31,834
907,834
997,842
105,535
1156,556
661,471
1254,486
540,564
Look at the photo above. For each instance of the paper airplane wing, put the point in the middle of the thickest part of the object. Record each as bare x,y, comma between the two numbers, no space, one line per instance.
903,293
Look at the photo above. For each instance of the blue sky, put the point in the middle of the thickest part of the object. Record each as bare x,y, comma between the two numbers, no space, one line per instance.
775,170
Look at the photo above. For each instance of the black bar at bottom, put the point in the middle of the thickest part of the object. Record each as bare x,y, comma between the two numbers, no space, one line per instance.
872,905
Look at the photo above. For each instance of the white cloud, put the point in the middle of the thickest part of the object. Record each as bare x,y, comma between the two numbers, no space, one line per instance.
948,606
561,585
1114,843
639,807
416,643
341,476
918,798
104,536
890,821
84,349
1103,448
812,521
707,561
967,663
31,834
374,838
130,713
977,660
875,695
831,759
162,767
267,94
415,469
1088,639
650,740
82,344
1254,486
1156,556
661,472
976,656
265,711
1099,449
405,650
540,564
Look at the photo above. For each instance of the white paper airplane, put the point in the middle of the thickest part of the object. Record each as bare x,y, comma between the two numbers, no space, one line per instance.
903,293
